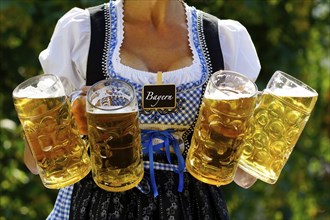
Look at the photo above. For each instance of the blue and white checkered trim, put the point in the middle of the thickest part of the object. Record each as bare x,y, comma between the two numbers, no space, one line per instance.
61,209
162,166
184,115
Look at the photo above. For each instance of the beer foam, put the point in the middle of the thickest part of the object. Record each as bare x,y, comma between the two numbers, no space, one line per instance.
226,95
41,90
291,92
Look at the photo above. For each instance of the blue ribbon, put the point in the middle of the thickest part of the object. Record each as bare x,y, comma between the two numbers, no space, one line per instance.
148,148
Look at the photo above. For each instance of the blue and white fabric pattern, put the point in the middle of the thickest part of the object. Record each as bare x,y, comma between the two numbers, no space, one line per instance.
61,209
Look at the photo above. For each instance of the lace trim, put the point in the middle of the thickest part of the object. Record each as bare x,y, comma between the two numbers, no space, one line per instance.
206,53
107,38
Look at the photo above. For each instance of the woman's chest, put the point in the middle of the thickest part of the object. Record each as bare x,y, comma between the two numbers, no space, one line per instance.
151,50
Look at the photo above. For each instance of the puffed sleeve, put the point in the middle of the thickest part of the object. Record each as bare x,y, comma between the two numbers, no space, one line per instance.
66,54
238,50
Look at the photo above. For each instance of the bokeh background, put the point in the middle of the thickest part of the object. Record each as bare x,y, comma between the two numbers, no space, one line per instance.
289,35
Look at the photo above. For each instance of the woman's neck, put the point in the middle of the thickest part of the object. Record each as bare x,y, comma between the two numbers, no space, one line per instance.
156,12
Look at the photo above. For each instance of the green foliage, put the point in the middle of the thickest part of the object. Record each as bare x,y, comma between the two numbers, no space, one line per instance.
290,35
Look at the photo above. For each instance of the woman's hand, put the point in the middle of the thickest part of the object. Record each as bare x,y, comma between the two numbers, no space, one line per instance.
28,159
243,179
78,108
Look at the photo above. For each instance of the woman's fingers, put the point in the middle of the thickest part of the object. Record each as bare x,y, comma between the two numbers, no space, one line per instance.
28,158
244,179
78,109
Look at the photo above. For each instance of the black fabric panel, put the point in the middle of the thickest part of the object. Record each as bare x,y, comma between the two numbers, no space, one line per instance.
210,26
94,61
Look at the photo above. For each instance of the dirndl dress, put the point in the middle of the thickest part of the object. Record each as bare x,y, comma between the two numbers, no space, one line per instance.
169,191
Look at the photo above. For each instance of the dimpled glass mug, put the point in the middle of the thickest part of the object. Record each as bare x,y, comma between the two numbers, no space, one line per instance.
44,111
282,112
114,135
228,103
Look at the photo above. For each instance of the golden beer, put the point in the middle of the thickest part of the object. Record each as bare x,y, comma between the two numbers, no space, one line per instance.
228,102
114,135
273,132
115,150
214,151
60,154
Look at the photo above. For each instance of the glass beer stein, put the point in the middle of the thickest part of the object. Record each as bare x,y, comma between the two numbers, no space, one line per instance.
281,114
229,101
50,131
114,135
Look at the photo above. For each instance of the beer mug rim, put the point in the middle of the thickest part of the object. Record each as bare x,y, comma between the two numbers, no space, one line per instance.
292,79
28,81
109,81
223,72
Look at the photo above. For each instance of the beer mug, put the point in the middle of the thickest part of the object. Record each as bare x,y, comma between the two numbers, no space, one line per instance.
281,114
114,135
50,131
229,101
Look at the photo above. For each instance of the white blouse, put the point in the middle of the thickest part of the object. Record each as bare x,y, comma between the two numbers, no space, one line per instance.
67,52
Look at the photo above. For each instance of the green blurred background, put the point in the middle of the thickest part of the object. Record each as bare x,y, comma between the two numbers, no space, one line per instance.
290,35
